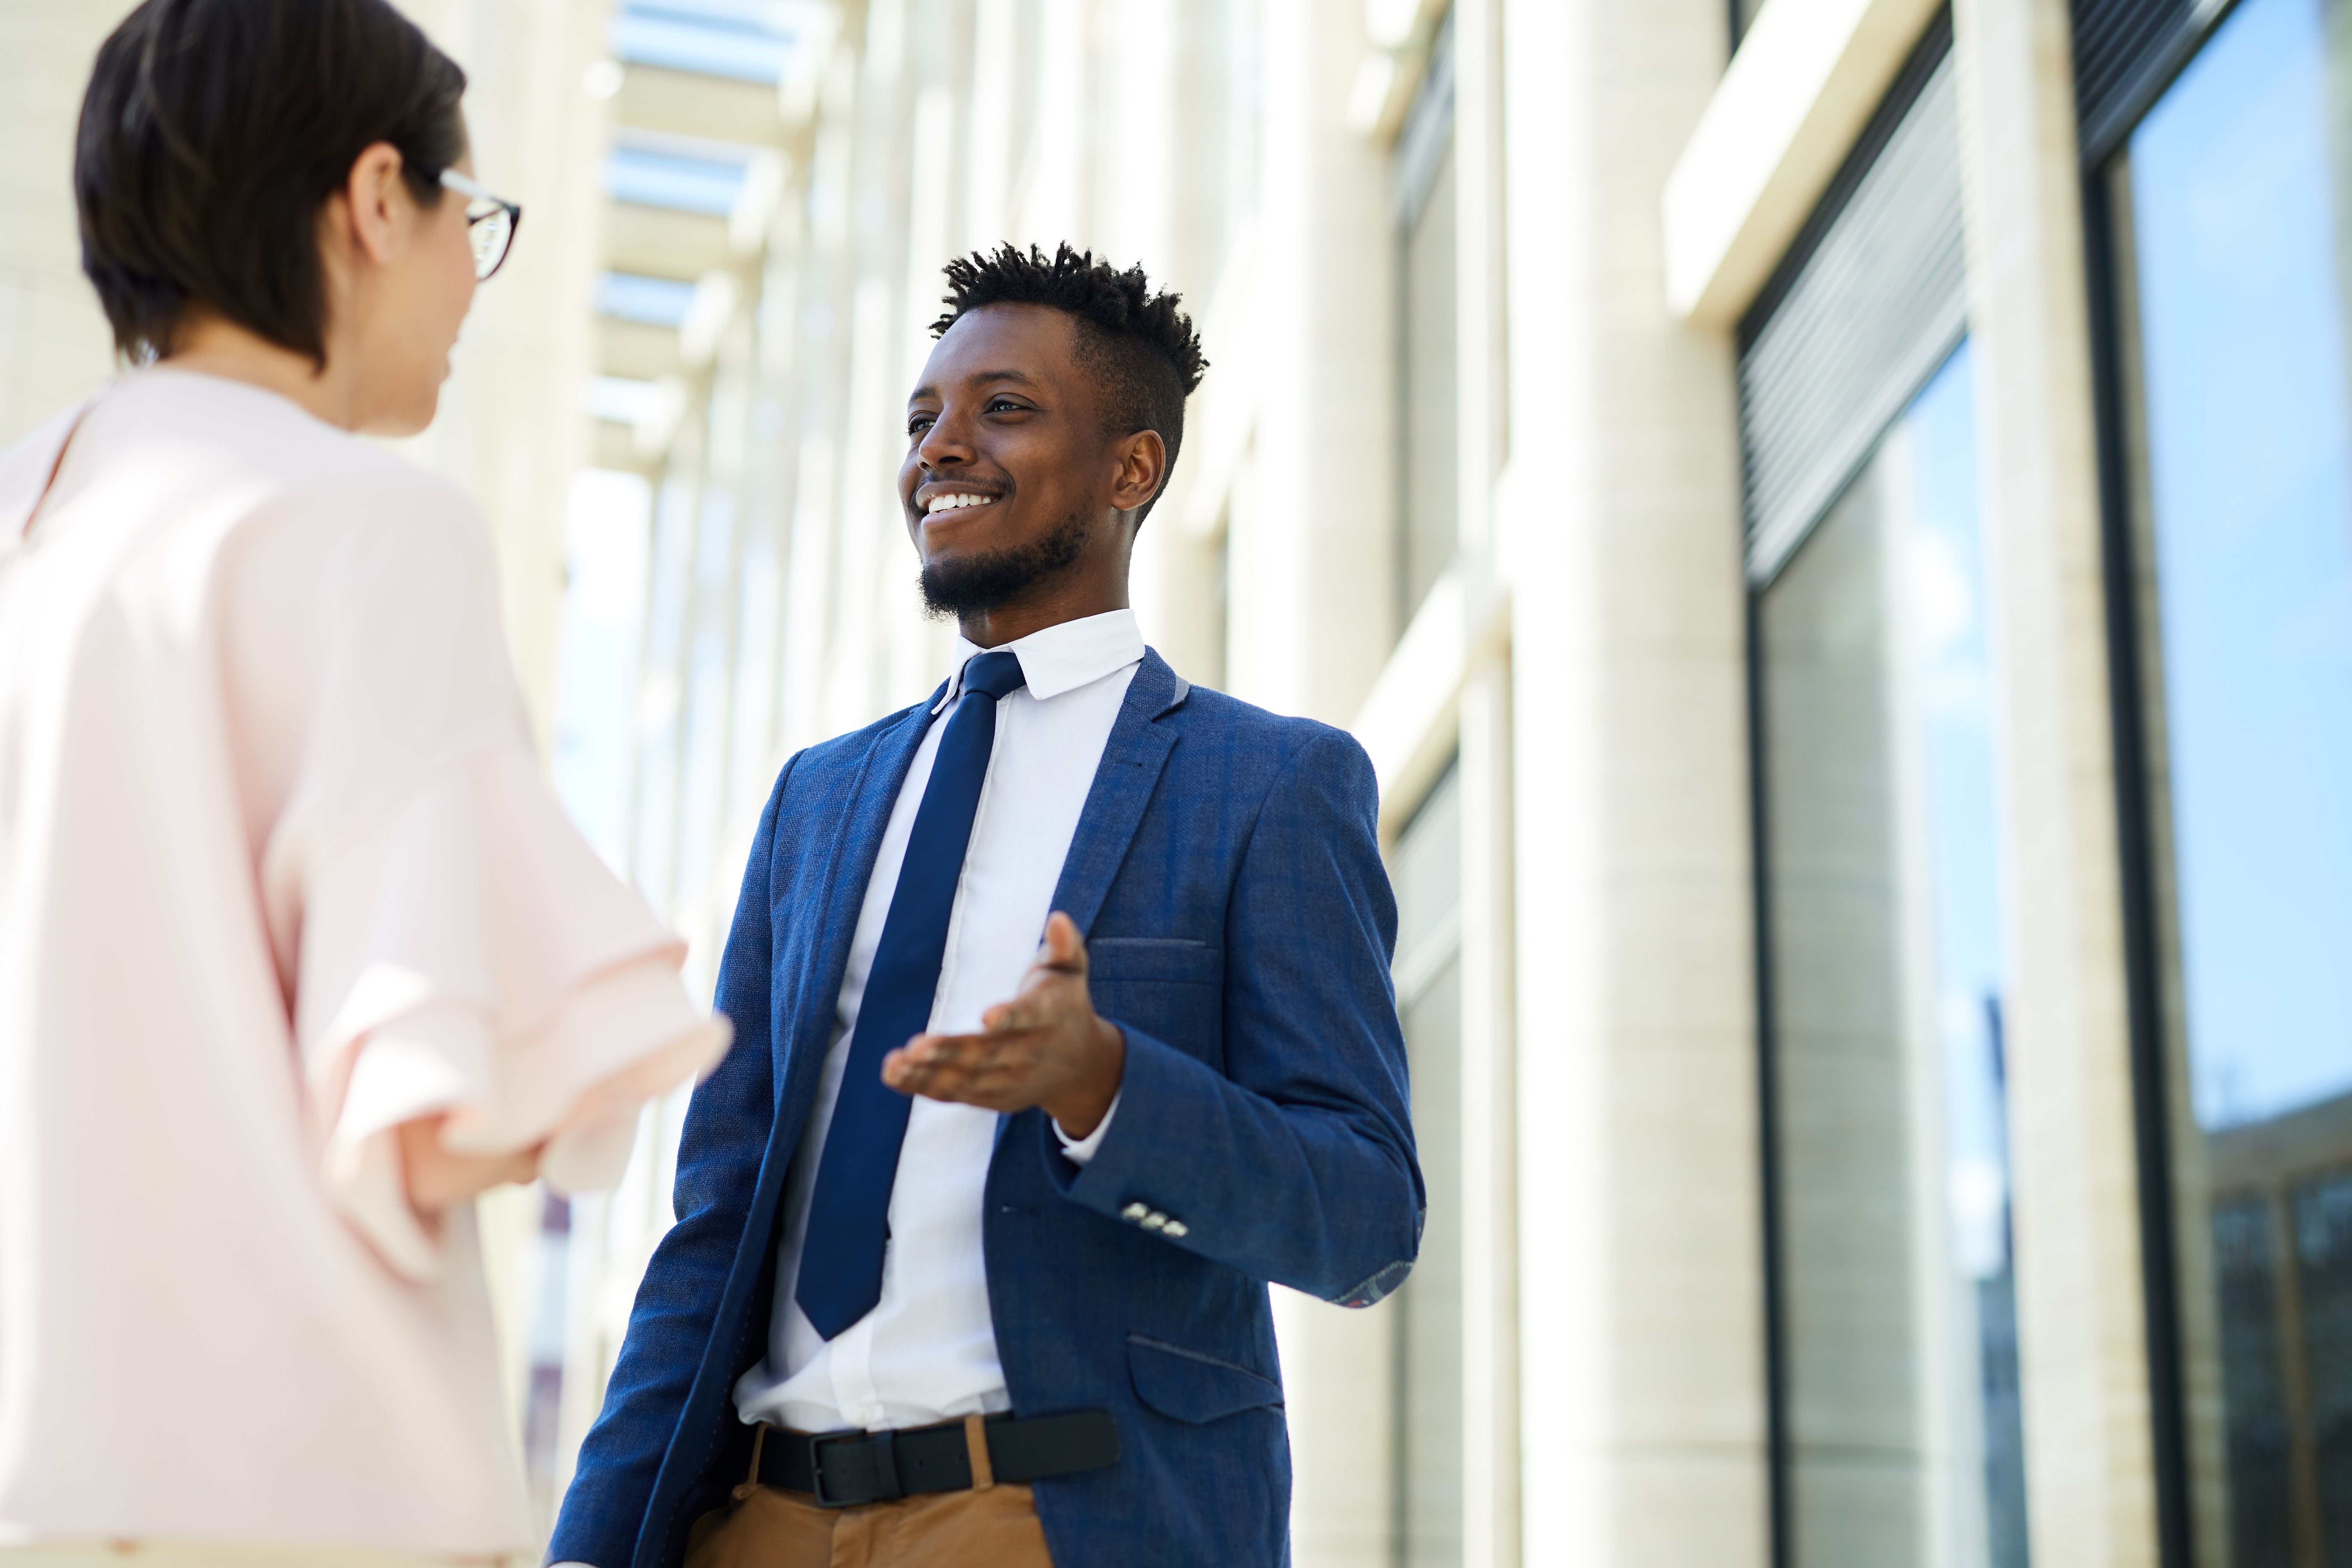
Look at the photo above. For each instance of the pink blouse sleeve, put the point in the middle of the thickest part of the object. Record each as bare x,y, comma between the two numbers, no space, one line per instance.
461,949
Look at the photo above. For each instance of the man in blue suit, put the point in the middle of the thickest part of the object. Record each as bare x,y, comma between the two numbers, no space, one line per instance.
973,1234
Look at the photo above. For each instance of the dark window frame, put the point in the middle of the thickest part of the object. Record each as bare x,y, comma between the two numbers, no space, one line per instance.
2127,729
1779,1471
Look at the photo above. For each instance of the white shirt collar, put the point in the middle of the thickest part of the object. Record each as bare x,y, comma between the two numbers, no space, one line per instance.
1062,658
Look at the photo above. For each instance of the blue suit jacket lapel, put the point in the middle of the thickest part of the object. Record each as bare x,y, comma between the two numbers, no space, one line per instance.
1131,762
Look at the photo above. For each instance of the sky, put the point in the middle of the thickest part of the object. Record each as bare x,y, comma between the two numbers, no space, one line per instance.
2242,329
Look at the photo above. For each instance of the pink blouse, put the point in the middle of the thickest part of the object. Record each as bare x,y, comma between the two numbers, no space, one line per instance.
278,872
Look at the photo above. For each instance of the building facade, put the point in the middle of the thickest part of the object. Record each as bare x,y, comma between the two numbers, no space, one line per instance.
1829,517
1834,521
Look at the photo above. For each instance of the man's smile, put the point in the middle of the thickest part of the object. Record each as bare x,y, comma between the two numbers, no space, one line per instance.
934,496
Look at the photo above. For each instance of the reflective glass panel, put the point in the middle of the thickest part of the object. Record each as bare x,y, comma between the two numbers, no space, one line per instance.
2230,195
1883,907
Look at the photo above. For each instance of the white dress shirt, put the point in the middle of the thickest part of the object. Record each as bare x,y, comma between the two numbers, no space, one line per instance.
928,1350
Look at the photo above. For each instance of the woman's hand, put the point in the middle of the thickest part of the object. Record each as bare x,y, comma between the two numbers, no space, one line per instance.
439,1180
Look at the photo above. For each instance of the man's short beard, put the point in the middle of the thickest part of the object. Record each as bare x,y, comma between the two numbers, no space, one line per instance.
989,582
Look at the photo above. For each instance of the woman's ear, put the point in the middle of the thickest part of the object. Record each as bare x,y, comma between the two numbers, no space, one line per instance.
372,202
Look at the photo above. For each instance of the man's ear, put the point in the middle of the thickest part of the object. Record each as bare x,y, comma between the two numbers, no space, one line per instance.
1143,465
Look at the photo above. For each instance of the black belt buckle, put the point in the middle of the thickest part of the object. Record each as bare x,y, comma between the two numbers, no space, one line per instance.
883,1470
885,1487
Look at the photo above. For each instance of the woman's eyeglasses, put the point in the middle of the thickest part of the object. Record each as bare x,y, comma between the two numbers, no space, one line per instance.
490,223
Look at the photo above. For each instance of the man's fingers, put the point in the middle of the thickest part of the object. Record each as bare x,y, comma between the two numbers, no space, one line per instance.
916,1062
1064,949
928,1051
932,1058
1016,1016
947,1049
909,1073
958,1070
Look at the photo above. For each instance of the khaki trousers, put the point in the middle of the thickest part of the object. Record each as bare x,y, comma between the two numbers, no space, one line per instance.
990,1526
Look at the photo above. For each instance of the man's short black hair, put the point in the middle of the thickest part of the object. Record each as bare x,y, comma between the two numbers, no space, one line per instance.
213,132
1138,346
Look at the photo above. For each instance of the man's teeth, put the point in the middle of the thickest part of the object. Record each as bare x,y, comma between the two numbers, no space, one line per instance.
949,503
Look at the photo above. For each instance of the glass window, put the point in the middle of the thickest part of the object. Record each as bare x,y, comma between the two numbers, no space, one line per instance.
1902,1439
2233,254
1427,864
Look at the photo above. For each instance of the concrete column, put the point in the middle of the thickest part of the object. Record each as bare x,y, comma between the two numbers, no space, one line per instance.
54,348
1488,1180
1311,585
1491,1491
2090,1487
1163,207
1051,191
510,430
815,590
1641,1336
1311,580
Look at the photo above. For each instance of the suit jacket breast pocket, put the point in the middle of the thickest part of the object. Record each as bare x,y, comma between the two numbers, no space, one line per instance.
1170,989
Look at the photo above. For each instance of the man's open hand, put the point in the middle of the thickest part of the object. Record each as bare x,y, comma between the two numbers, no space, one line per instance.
1046,1047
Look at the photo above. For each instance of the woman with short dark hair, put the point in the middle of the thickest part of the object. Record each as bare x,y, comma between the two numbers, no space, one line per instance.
298,952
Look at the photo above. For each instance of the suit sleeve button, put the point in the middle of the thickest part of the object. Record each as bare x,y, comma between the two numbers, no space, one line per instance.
1175,1228
1133,1210
1155,1220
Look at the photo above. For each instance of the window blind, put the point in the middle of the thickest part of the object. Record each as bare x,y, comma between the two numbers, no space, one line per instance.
1871,298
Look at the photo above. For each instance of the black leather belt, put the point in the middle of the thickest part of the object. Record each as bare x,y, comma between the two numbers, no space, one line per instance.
842,1469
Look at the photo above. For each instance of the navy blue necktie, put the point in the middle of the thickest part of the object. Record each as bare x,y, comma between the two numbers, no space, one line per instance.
849,1214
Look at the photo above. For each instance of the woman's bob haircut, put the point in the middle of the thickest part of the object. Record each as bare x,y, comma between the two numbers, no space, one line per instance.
213,132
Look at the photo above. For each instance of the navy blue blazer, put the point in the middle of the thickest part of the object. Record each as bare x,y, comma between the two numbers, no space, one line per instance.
1240,929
